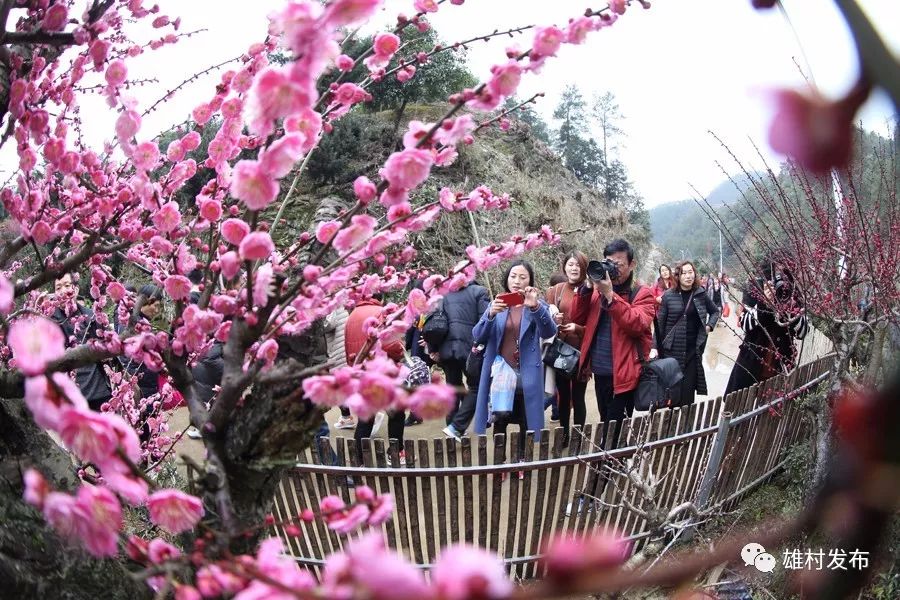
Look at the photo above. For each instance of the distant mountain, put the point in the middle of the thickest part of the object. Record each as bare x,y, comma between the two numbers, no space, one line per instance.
728,191
682,228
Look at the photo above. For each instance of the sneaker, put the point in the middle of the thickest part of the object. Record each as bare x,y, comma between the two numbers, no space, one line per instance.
403,458
194,433
450,431
554,418
345,423
379,421
413,420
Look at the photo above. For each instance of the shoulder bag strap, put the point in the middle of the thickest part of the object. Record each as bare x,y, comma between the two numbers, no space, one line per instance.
674,325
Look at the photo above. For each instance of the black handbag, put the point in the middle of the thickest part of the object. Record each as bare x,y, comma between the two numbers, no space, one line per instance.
658,376
562,357
474,362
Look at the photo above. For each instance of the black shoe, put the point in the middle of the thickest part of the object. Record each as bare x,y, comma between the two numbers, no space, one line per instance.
413,420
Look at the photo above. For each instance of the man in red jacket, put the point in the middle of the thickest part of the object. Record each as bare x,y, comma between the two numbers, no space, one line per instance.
355,337
617,319
354,341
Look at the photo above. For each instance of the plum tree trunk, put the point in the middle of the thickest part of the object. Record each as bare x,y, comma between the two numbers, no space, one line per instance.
34,561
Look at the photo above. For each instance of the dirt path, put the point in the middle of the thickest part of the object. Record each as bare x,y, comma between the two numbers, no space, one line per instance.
721,351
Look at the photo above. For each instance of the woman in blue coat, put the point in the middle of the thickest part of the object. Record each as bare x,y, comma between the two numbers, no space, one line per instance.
512,356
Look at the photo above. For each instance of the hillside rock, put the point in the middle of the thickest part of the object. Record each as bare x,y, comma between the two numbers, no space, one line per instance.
512,162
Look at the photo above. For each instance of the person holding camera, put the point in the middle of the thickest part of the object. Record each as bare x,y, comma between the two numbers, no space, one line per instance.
617,333
687,315
570,390
772,317
512,374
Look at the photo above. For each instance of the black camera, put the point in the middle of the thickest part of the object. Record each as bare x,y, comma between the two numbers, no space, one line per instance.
782,288
598,269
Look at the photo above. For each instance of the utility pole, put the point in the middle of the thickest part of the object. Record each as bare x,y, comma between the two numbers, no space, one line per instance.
721,270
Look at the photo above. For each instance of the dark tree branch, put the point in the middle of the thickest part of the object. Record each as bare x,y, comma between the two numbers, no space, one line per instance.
37,37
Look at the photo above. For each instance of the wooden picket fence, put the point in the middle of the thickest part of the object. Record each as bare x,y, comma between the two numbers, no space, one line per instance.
710,453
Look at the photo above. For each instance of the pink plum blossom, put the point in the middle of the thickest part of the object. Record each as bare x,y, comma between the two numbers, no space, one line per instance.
168,217
813,130
234,230
408,168
358,231
178,287
253,185
547,40
7,295
145,156
618,6
364,189
59,512
191,141
116,73
454,131
346,521
432,400
463,572
278,159
256,246
174,511
386,44
382,508
98,518
47,402
35,342
267,352
36,488
274,95
424,6
567,554
326,230
90,435
211,209
272,561
55,18
578,29
505,79
116,291
262,282
160,551
328,390
230,264
344,63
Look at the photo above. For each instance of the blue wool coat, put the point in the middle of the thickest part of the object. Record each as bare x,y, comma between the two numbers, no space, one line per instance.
535,325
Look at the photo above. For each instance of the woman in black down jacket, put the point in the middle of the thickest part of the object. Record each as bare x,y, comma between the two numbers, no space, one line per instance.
686,315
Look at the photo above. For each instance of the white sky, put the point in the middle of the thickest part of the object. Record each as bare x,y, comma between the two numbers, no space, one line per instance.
678,70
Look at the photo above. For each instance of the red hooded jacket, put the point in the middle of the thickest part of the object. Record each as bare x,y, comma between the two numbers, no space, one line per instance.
631,323
355,338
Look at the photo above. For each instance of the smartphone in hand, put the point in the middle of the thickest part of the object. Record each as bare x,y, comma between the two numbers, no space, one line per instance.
511,299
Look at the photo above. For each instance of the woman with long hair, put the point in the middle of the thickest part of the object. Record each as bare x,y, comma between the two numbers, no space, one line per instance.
664,282
686,316
571,390
512,375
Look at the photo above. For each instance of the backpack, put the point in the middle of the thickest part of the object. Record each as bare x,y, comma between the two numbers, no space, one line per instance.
436,328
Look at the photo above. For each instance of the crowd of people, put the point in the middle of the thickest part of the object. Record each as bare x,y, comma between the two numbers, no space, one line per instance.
603,323
495,350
